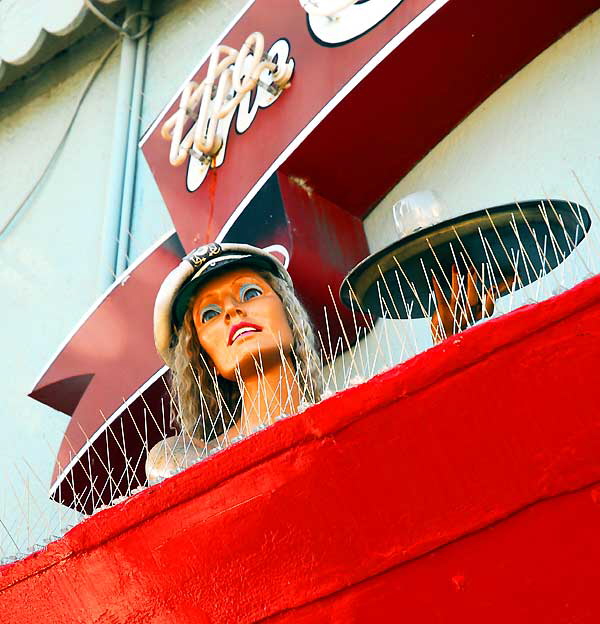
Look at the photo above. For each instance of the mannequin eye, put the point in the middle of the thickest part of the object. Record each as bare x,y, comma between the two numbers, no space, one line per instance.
249,291
209,312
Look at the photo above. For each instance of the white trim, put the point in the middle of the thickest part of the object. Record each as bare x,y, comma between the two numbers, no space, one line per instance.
340,95
104,426
119,281
280,249
220,38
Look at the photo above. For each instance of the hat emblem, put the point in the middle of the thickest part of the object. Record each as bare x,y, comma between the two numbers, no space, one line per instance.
201,255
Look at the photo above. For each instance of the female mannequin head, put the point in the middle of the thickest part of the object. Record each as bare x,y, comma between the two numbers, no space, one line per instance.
236,325
240,322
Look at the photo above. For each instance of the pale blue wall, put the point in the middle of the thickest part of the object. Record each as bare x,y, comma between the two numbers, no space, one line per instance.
49,258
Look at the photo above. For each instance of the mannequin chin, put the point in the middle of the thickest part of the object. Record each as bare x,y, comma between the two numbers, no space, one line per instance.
241,324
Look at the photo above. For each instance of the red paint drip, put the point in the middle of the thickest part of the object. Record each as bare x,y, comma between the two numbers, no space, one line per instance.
212,191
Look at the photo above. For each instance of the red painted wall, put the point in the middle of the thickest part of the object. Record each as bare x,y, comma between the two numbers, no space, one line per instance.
460,486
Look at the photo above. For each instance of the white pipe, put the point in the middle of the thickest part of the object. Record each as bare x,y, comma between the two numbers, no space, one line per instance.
124,239
121,181
114,191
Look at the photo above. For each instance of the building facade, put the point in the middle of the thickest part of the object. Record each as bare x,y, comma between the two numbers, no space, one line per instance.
77,212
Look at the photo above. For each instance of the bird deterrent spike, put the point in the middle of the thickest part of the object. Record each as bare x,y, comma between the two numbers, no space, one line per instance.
573,245
532,231
344,333
42,516
384,311
526,259
383,304
356,346
412,287
489,255
87,474
127,465
398,315
514,266
108,468
409,308
325,354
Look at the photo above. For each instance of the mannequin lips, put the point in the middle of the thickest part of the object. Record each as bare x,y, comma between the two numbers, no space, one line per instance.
241,329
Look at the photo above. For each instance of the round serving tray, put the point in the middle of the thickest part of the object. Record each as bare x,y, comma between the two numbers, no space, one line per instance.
527,238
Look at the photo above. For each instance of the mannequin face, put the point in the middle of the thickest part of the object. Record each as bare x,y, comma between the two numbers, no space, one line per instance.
240,320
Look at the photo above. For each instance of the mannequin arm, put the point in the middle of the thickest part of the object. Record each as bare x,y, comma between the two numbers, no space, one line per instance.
468,304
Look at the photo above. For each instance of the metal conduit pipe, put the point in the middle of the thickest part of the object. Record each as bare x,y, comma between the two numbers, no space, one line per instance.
133,135
111,238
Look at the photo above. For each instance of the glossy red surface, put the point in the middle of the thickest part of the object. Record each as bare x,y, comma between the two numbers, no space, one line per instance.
459,486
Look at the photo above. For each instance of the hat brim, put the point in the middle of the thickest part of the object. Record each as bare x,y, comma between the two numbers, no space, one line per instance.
531,237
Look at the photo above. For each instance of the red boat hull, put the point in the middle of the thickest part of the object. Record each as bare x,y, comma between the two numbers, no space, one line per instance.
459,486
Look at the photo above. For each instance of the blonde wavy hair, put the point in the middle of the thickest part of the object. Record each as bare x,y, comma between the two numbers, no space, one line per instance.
207,404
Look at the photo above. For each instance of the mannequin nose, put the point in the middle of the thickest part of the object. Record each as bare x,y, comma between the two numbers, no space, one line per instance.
232,308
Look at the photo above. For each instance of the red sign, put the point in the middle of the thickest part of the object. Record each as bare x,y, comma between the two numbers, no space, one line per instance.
329,58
